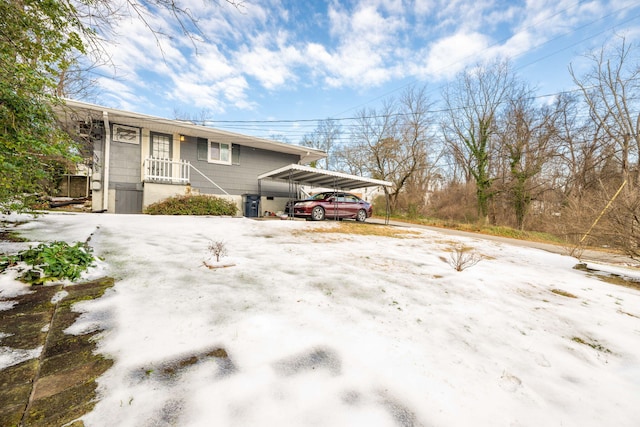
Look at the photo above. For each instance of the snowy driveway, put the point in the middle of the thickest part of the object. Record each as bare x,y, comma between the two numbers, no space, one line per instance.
325,329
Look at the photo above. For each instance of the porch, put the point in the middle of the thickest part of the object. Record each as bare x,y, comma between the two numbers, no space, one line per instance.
167,171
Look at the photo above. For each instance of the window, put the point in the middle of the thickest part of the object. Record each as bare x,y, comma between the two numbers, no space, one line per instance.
219,152
160,146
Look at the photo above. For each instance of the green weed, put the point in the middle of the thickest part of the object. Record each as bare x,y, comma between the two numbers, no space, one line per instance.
51,261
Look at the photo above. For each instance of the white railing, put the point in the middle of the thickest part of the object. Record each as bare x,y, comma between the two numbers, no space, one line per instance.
167,171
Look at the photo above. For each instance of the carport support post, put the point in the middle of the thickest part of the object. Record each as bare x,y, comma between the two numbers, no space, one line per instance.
387,209
259,196
293,195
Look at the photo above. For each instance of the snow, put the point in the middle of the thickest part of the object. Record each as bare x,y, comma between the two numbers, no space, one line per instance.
12,356
326,329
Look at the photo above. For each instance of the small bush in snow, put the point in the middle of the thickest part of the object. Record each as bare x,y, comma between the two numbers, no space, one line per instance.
462,257
217,249
193,205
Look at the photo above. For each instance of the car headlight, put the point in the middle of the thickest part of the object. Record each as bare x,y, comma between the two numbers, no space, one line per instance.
302,204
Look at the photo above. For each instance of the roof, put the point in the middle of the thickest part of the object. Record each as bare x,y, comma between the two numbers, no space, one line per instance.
322,178
79,111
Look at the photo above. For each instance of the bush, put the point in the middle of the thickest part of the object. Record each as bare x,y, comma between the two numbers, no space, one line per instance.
462,258
193,205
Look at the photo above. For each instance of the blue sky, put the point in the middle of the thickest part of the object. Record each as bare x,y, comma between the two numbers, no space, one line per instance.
274,67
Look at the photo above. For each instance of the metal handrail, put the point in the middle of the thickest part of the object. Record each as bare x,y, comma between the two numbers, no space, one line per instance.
209,179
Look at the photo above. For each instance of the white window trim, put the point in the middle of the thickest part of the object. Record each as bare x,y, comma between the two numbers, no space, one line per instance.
221,144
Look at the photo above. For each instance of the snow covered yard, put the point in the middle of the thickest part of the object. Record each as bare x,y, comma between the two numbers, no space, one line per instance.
326,329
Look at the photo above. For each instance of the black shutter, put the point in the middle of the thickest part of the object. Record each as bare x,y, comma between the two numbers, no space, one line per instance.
203,149
235,154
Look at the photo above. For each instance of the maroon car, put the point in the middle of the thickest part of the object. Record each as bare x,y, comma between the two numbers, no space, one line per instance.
333,205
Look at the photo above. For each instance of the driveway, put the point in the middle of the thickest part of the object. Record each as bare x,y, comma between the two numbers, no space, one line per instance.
592,255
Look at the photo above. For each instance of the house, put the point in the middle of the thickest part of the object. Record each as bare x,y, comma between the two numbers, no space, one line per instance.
140,159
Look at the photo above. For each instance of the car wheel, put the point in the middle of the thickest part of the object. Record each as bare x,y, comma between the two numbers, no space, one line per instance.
317,214
361,216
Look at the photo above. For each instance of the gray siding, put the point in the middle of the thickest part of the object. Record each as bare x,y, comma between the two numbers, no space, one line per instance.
240,178
125,163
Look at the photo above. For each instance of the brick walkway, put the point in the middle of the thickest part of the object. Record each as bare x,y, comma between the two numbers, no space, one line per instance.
59,386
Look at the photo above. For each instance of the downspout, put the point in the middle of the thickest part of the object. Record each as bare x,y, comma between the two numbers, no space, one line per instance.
107,152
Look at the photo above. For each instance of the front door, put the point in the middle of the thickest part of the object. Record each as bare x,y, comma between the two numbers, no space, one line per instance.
161,150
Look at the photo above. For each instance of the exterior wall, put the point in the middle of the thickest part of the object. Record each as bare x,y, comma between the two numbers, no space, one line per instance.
124,164
241,177
112,201
155,192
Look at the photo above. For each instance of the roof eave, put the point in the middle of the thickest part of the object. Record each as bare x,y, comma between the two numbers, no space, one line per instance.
307,154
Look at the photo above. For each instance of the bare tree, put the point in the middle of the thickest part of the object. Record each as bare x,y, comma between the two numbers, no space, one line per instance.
611,90
416,124
527,138
395,142
352,158
200,118
474,102
325,137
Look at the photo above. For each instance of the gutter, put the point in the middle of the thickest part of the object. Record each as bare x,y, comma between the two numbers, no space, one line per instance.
107,154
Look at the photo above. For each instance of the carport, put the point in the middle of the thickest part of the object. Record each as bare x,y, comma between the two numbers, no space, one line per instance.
297,175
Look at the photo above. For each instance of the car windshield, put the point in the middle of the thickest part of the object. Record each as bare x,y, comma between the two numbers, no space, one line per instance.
320,196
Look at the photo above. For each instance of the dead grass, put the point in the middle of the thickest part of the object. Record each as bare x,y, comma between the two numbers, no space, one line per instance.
563,293
594,345
493,230
360,229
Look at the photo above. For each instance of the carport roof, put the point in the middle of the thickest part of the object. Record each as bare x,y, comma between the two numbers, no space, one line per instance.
322,178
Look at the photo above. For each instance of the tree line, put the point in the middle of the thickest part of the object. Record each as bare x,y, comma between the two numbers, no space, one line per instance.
492,151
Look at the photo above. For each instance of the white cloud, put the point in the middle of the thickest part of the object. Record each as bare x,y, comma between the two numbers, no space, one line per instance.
366,48
424,7
272,67
119,94
214,96
358,45
450,55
